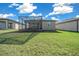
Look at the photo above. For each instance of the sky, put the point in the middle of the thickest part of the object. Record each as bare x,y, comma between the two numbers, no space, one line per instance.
49,11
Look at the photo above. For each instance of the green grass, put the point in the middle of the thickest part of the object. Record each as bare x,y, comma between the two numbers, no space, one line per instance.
39,43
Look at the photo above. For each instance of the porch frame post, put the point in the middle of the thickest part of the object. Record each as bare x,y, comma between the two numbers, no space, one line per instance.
6,24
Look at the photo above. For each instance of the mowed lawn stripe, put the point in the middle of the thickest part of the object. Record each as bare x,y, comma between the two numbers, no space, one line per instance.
39,43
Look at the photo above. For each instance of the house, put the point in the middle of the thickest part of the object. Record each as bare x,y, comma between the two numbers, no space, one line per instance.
8,24
36,23
70,25
28,24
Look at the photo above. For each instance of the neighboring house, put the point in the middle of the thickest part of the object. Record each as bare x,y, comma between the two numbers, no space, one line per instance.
70,25
37,24
8,24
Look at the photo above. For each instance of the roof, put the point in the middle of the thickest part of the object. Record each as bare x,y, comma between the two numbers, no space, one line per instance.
40,20
8,20
68,20
30,17
49,20
33,18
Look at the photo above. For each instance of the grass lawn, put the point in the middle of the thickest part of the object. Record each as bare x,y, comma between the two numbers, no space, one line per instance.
39,43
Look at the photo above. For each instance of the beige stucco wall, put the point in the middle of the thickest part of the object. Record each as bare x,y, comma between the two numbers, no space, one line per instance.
21,27
78,25
72,26
16,26
46,26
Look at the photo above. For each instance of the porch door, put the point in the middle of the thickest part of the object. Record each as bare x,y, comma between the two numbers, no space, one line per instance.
10,26
34,26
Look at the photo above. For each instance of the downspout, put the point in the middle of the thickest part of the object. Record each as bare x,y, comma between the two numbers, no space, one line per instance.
77,25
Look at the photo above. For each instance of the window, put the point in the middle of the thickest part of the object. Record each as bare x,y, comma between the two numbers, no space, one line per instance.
49,23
